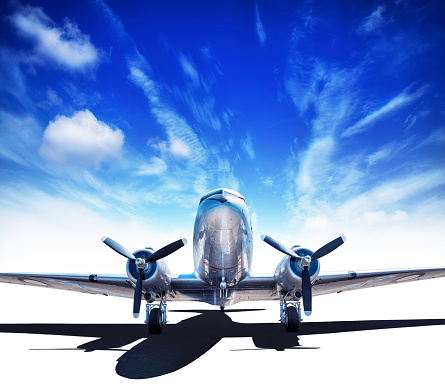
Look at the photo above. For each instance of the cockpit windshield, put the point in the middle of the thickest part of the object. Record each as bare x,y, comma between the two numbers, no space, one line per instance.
221,191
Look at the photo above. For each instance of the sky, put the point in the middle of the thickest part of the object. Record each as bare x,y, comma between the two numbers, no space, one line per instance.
327,116
116,117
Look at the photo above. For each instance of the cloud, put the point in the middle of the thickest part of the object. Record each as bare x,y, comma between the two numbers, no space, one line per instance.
403,99
154,167
259,27
20,138
247,146
315,165
437,137
180,149
193,165
386,152
179,133
379,155
393,193
80,141
372,22
189,70
52,99
267,181
65,46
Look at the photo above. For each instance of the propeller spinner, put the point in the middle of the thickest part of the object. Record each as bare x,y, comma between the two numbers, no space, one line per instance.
141,264
305,262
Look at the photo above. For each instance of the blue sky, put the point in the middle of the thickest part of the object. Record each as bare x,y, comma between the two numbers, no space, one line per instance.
328,117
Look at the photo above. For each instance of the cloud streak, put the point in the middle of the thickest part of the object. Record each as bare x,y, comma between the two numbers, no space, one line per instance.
401,100
259,27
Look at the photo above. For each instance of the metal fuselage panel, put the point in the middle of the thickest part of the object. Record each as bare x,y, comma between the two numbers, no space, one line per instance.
222,240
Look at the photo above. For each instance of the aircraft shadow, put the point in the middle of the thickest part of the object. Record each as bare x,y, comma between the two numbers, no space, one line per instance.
182,343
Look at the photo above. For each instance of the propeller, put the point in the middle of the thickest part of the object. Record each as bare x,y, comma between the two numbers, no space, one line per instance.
305,261
141,264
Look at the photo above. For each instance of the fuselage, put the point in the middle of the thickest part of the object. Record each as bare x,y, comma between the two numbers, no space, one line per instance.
222,238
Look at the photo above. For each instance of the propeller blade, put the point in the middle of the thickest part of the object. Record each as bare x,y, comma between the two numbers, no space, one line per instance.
328,248
167,250
118,248
138,295
281,247
306,291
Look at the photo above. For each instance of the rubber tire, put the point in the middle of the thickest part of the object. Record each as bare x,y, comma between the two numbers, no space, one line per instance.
292,322
154,321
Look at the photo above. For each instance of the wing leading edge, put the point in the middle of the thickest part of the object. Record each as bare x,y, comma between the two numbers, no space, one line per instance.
188,287
347,281
109,285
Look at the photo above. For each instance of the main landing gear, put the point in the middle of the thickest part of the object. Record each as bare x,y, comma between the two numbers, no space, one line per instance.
290,314
156,316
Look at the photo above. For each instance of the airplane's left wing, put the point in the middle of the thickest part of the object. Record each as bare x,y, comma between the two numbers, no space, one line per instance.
109,285
351,280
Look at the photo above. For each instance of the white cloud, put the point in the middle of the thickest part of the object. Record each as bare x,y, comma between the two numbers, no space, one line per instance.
20,138
437,137
372,22
393,193
203,167
179,148
403,99
64,46
154,167
315,165
259,27
247,146
189,70
52,99
80,141
267,181
381,217
379,155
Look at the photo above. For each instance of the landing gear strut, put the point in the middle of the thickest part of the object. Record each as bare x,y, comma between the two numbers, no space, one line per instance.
290,314
156,316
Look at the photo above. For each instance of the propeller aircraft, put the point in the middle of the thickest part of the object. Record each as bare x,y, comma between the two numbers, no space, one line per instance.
222,254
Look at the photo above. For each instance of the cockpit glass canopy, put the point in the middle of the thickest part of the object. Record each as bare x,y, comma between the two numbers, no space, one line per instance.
221,191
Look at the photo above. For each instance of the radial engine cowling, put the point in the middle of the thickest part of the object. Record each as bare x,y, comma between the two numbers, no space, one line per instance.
288,273
156,275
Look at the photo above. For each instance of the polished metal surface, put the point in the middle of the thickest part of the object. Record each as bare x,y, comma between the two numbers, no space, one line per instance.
222,239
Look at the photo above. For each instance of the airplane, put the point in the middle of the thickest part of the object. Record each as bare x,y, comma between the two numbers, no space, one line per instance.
222,254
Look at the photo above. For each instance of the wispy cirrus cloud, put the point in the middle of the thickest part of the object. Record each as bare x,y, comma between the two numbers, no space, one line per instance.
20,139
247,146
64,46
403,99
176,127
373,22
155,166
201,166
259,27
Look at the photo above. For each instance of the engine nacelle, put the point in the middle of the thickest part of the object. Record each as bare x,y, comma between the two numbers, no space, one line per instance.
157,274
288,273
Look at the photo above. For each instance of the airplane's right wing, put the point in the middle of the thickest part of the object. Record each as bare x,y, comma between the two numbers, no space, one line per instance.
347,281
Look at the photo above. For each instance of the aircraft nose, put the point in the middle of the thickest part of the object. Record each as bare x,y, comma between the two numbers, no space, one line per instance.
222,216
222,198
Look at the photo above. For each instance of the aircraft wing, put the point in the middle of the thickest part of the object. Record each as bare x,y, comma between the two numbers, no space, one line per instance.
109,285
347,281
189,288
